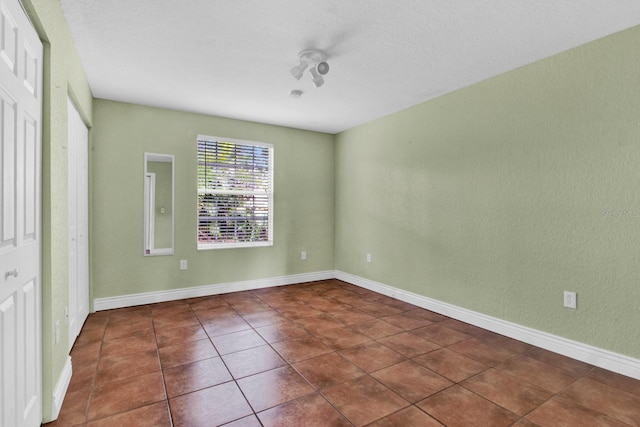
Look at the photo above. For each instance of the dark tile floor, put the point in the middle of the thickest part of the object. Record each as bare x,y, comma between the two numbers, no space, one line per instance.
324,354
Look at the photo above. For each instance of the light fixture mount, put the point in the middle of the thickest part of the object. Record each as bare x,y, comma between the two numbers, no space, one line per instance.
315,58
312,56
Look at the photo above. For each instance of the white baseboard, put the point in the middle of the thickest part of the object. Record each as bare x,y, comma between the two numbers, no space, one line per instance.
605,359
60,390
109,303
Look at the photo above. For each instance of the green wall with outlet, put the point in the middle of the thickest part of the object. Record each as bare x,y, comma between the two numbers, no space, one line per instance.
500,196
495,198
303,201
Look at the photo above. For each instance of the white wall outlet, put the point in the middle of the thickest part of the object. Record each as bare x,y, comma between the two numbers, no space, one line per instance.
570,300
368,257
303,255
184,264
57,332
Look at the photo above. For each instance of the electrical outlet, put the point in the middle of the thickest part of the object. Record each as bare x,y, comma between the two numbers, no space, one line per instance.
570,299
368,257
57,332
303,255
183,264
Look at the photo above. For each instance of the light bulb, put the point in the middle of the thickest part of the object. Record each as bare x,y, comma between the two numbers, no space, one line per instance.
317,78
323,68
298,70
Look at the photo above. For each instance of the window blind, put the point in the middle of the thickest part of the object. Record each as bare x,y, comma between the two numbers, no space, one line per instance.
235,193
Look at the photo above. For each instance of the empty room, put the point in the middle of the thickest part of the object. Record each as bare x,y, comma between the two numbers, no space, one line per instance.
319,213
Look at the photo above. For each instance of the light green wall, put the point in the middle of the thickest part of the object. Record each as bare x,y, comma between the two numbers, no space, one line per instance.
497,197
304,201
63,77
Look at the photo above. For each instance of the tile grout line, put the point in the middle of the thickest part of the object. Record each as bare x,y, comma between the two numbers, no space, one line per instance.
319,391
164,383
94,379
233,379
316,391
335,351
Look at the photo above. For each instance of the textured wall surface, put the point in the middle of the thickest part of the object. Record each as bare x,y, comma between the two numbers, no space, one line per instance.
494,198
63,77
502,195
303,201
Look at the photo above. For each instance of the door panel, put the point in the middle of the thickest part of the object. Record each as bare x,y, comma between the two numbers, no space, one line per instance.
78,163
73,233
7,152
9,385
20,219
31,345
30,126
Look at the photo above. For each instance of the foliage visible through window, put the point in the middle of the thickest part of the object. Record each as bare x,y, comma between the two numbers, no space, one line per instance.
235,193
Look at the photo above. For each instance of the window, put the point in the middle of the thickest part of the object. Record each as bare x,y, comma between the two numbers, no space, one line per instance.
235,193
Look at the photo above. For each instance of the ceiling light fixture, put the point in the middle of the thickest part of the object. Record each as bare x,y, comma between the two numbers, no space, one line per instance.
314,57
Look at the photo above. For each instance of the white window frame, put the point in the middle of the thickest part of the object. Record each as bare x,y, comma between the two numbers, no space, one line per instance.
202,190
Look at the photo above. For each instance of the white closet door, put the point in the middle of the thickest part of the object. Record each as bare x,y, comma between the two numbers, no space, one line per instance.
78,163
20,219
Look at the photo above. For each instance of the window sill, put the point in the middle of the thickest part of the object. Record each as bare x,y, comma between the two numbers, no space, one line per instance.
213,246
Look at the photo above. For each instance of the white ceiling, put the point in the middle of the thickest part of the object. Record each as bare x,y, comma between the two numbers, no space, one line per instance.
232,58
